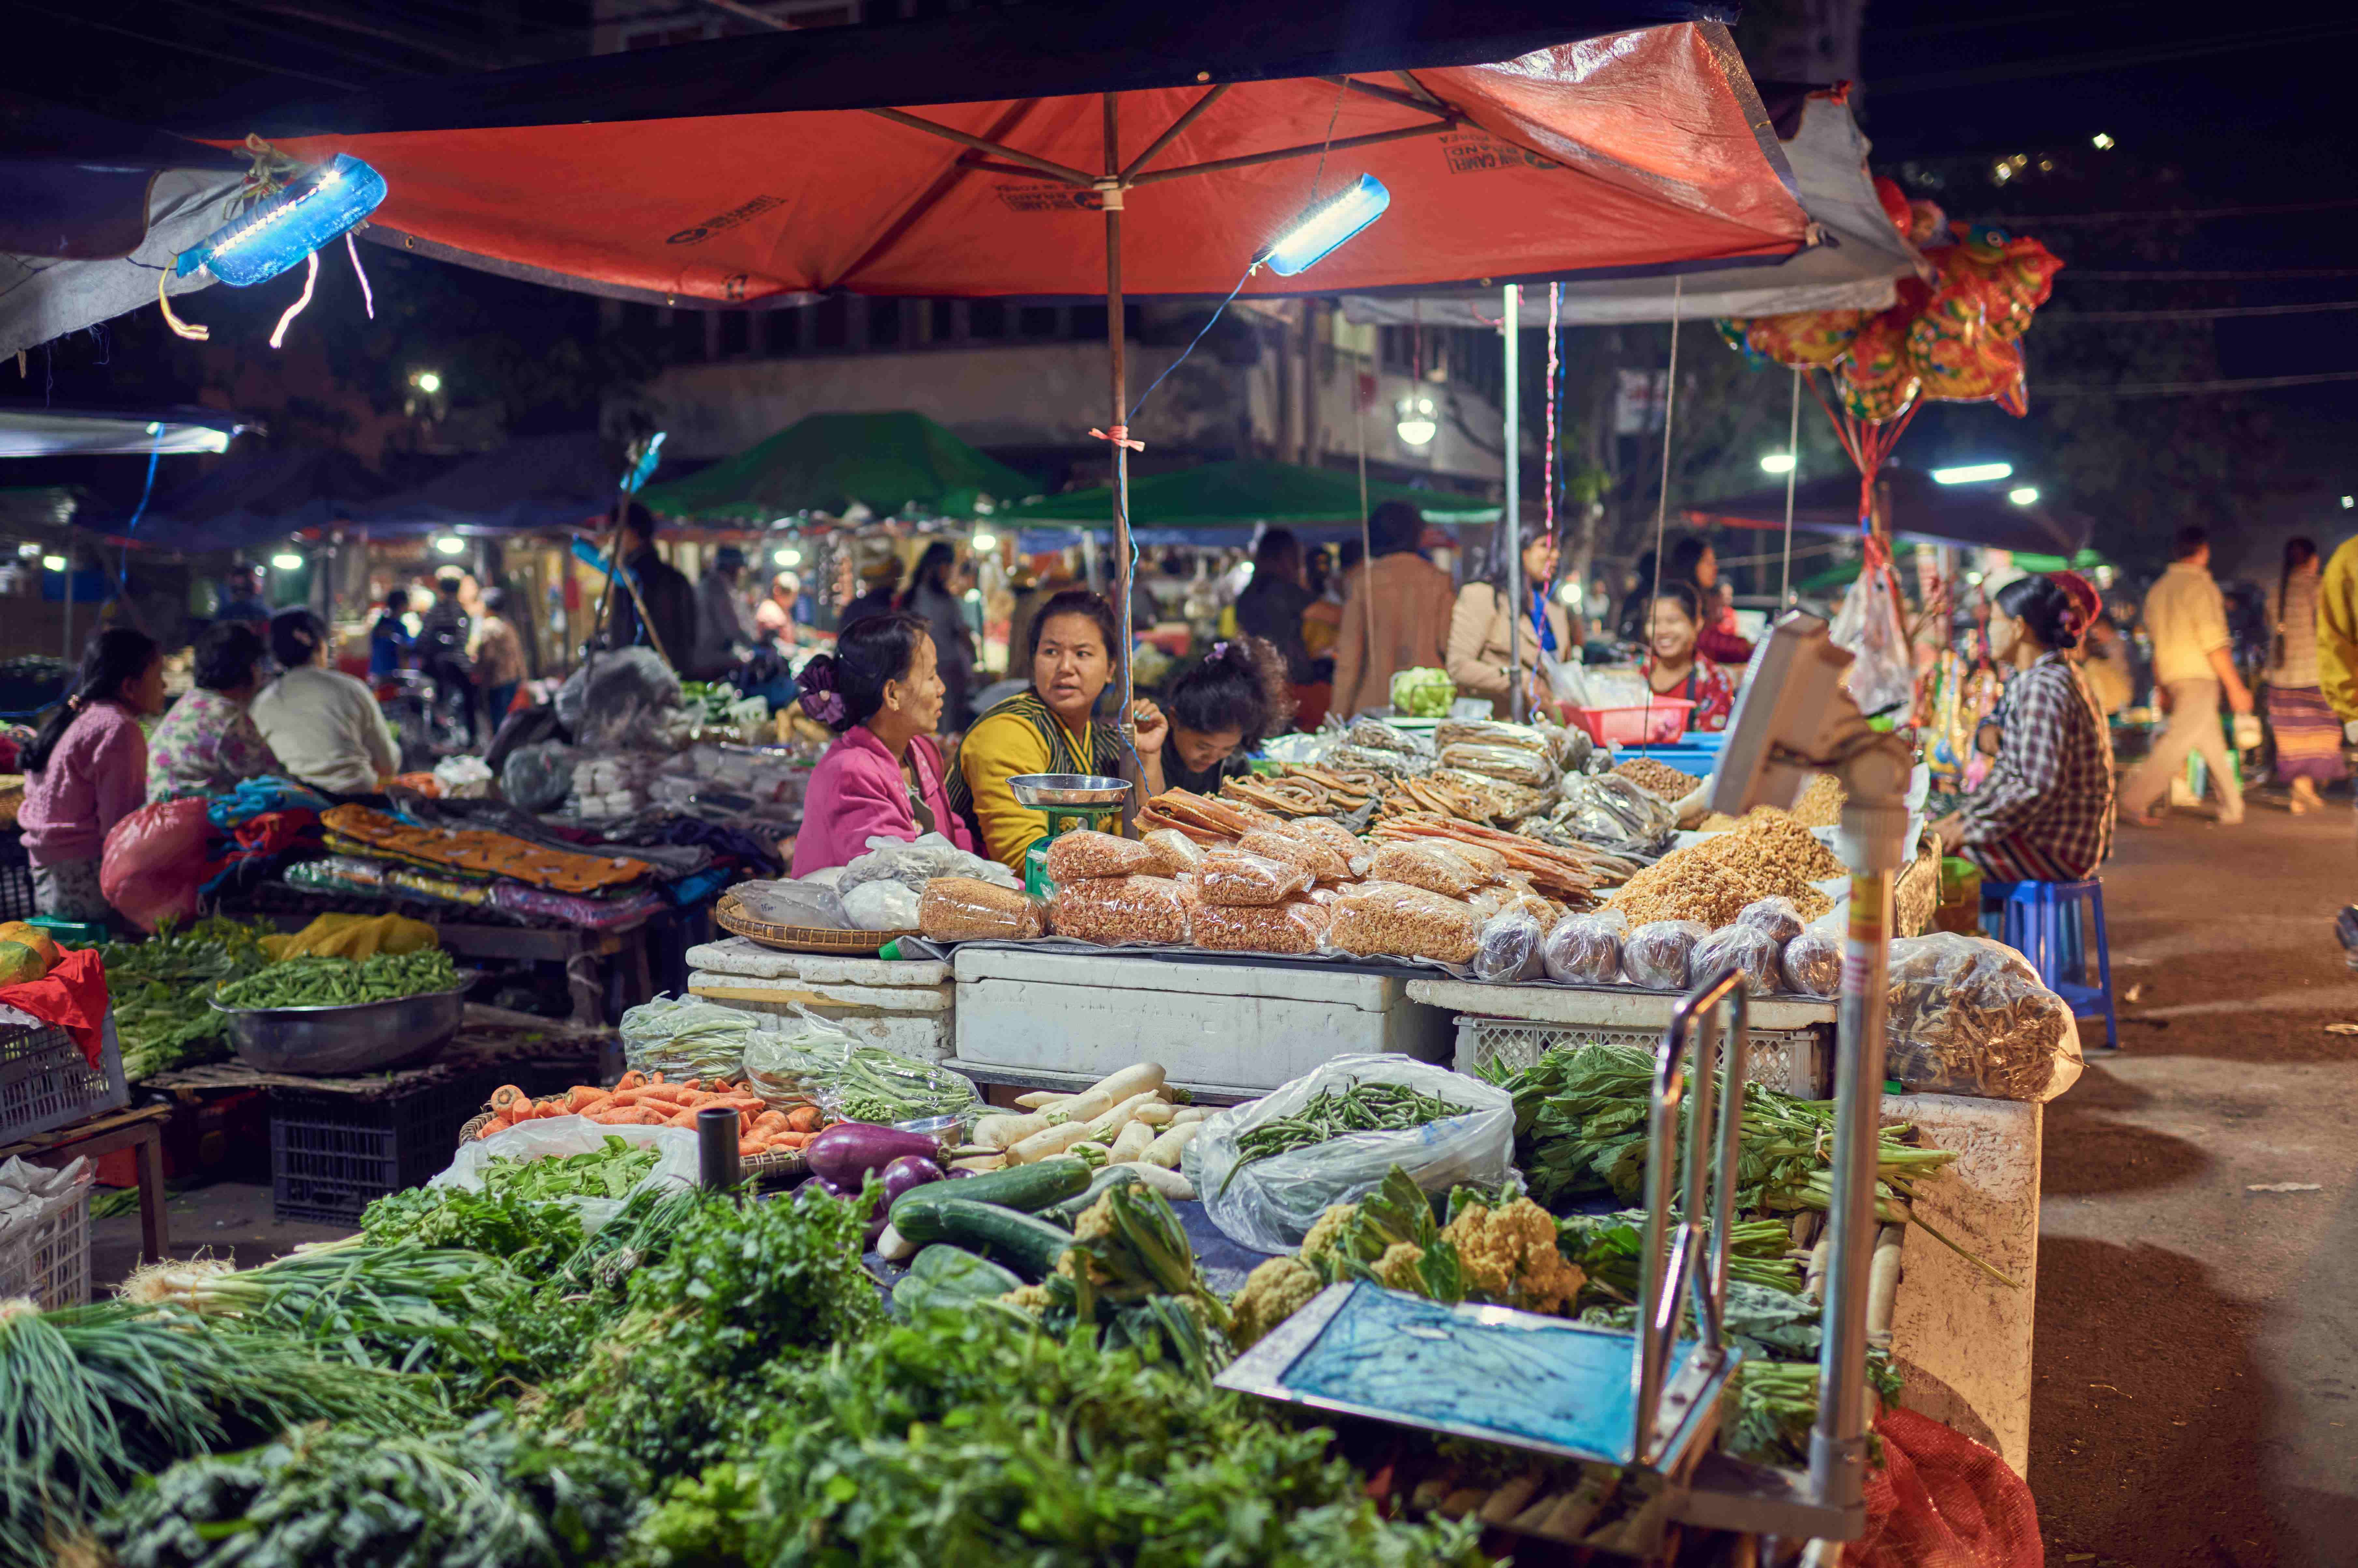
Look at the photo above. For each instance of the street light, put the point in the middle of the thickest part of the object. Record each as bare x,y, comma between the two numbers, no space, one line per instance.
426,382
287,561
2023,494
53,563
1973,473
985,543
1777,463
789,556
1417,420
451,544
2101,142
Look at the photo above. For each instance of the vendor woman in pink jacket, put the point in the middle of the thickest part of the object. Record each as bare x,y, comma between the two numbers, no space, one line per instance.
882,691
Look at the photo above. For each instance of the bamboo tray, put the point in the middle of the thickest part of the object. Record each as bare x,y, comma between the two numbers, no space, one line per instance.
789,1162
730,917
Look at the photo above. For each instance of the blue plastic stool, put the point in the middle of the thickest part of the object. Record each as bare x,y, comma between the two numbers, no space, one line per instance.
2043,923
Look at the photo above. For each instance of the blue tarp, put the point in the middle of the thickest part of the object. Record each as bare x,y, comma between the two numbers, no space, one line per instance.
258,497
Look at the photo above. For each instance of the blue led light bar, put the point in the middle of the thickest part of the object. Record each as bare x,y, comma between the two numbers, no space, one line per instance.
1319,231
281,230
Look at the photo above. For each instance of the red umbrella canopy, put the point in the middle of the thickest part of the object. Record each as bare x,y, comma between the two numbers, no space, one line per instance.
934,158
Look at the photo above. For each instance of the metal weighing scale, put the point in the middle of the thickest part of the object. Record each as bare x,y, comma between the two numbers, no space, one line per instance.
1068,801
1646,1400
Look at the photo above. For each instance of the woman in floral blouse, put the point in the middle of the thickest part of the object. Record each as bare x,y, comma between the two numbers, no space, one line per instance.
207,743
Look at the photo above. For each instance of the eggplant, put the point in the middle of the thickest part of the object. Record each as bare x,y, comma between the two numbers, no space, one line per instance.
846,1153
907,1174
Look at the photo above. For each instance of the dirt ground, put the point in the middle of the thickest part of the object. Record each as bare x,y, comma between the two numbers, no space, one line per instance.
2197,1341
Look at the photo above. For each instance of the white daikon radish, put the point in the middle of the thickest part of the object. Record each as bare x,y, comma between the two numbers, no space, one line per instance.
1040,1099
1106,1128
1156,1113
1131,1143
893,1247
1164,1150
1186,1114
1081,1106
1170,1183
1006,1132
1047,1141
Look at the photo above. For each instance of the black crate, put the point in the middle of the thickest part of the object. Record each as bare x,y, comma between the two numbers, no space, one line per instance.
332,1154
16,877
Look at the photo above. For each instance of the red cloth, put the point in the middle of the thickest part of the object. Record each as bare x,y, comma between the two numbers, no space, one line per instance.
72,996
273,831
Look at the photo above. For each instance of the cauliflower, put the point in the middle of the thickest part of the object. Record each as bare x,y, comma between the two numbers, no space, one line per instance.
1030,1298
1094,1223
1325,1231
1272,1293
1395,1269
1510,1255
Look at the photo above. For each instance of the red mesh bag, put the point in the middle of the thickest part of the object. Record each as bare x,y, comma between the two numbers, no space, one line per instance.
1941,1500
154,862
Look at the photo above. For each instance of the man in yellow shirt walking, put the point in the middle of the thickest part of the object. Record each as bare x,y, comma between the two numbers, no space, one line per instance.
2193,663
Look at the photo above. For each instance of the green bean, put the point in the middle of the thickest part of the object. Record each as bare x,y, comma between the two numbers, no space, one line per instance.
316,982
1335,1113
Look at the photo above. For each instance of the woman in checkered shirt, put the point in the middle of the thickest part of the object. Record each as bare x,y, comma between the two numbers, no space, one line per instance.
2044,812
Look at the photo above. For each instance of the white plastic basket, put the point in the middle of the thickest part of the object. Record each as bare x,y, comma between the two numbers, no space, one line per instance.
1792,1061
49,1259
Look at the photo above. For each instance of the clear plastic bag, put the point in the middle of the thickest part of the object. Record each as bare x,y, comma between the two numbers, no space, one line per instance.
1436,868
619,701
1811,964
914,863
1271,1204
1494,733
1490,902
560,1137
1353,849
1084,852
1656,955
1739,946
1970,1016
804,901
682,1037
1613,812
1313,855
1173,851
883,906
1586,950
1395,920
1534,770
967,909
1295,927
539,777
1234,877
1775,916
1374,735
816,1061
1111,911
1507,950
1882,675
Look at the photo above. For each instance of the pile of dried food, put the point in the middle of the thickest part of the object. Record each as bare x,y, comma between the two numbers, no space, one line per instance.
1710,882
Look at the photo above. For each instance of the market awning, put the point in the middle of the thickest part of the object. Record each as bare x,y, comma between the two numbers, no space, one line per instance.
959,154
41,430
898,464
1191,504
1917,507
91,212
260,496
534,482
1857,268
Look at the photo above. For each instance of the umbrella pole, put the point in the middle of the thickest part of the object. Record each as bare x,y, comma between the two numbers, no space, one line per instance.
1124,563
1792,475
1511,324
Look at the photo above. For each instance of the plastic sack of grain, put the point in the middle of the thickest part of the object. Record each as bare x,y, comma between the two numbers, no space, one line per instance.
1173,851
967,909
1295,927
1394,920
1586,950
1234,877
1656,955
1084,852
1112,911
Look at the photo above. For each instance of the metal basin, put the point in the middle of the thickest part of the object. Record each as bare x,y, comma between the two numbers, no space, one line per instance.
362,1038
1068,789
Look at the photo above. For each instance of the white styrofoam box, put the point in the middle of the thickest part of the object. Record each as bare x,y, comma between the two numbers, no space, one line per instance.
742,955
729,990
1214,1026
1792,1061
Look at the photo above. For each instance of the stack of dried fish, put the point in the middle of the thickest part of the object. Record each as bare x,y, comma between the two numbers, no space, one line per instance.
1560,871
1204,818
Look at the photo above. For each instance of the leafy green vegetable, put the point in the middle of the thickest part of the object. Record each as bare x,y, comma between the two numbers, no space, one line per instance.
1422,692
482,1496
532,1237
162,990
315,980
610,1171
1611,1248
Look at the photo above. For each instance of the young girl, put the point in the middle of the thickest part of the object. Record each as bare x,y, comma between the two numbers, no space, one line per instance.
87,770
1223,708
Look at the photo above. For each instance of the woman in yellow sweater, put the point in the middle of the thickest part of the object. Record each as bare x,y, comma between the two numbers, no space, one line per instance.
1048,729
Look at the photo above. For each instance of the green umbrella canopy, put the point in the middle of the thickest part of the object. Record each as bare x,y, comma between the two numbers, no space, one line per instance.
892,464
1244,492
2024,561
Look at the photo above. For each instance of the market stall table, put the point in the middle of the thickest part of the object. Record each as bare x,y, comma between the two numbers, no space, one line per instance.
141,1128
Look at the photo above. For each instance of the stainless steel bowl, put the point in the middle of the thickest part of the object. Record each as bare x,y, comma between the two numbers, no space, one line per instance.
1068,789
364,1037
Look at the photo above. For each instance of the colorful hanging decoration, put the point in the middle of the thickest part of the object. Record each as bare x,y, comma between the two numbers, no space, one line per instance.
1956,340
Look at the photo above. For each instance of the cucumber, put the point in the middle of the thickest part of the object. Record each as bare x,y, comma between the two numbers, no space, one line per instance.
1025,1188
1023,1242
1070,1210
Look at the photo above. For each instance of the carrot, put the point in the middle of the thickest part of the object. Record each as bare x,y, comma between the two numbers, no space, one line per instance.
773,1120
794,1140
685,1118
505,1096
804,1119
630,1080
581,1094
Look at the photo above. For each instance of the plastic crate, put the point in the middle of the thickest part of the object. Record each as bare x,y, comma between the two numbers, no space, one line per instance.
1792,1061
45,1084
331,1155
52,1264
16,877
1660,722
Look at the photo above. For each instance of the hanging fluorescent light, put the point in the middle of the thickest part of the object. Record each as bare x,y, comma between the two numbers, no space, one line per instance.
282,229
788,557
1973,473
451,544
427,382
985,543
287,561
53,563
2023,494
1327,224
1418,422
1777,463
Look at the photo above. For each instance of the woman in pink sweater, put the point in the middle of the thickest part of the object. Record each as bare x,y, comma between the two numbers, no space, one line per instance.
881,690
87,770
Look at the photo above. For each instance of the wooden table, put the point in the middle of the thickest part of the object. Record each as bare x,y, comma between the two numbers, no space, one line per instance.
142,1129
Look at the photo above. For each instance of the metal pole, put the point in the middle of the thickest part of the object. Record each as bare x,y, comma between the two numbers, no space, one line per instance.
1511,325
1359,419
1792,474
716,1148
1124,567
70,662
